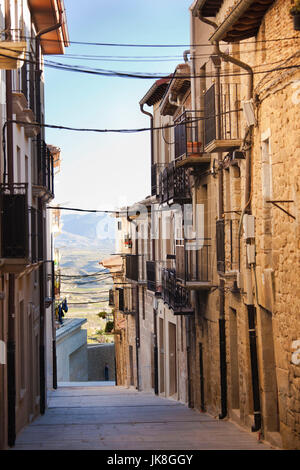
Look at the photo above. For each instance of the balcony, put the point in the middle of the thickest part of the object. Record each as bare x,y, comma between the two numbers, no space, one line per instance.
222,131
44,179
189,146
175,295
174,185
21,234
151,276
132,267
193,264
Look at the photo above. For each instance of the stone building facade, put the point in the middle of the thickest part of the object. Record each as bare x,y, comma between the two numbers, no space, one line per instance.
26,173
220,299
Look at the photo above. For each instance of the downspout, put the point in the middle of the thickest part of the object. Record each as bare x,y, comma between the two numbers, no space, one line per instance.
11,340
151,131
151,143
41,207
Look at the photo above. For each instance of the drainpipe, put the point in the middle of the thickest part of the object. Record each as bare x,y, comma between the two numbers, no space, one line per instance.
151,132
11,340
41,207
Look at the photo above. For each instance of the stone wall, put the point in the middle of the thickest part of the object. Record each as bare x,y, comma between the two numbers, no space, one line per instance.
71,351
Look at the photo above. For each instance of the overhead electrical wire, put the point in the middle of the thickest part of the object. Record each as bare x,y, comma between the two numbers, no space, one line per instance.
109,44
83,293
83,275
88,303
142,75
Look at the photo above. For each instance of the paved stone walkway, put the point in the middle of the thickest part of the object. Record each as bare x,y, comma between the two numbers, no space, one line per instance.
117,418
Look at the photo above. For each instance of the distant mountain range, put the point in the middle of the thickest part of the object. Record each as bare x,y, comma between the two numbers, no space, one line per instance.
87,231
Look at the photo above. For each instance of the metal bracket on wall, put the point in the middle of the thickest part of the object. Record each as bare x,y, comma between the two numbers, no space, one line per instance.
275,203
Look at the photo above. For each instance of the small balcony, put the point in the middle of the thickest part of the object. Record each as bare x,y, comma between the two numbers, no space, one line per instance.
193,264
189,140
132,267
36,235
174,185
175,295
222,130
43,185
21,233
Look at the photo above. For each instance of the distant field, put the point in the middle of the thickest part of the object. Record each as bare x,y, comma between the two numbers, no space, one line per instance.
83,290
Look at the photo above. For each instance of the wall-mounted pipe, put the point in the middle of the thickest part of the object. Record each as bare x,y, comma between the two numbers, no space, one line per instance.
185,55
151,131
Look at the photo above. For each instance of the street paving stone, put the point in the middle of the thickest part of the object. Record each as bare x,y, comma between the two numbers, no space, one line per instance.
117,418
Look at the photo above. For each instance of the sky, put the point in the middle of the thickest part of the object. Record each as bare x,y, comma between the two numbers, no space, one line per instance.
106,171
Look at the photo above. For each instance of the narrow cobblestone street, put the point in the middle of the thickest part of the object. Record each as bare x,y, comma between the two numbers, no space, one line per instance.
116,418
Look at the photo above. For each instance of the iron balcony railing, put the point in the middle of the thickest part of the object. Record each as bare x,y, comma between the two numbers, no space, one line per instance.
225,124
14,214
174,184
173,294
151,276
189,134
193,260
